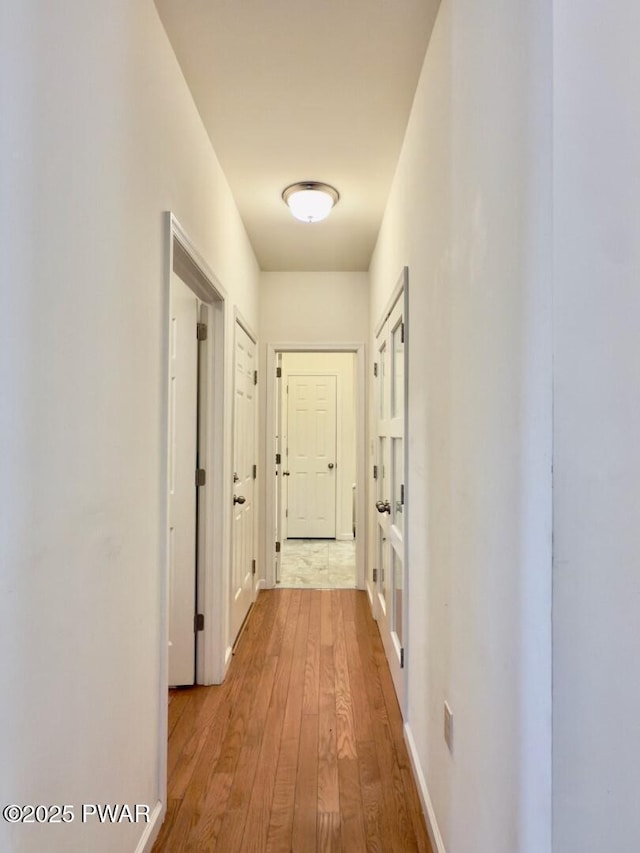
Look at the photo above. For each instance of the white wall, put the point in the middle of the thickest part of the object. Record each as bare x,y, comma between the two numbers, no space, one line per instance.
596,603
342,366
314,307
469,213
100,137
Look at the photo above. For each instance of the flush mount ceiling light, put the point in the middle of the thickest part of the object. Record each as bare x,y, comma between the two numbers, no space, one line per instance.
310,201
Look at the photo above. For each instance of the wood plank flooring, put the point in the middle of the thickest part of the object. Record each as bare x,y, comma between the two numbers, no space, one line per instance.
301,749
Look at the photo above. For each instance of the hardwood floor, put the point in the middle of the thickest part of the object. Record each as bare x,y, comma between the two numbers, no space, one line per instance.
301,749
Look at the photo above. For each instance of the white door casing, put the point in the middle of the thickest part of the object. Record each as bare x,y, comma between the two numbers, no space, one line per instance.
311,456
244,459
214,451
183,408
389,556
279,481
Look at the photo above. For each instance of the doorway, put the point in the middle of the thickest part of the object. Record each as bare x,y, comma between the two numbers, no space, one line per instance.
192,605
315,429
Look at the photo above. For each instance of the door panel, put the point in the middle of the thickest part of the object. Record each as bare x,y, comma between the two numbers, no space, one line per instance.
311,460
183,427
389,514
245,454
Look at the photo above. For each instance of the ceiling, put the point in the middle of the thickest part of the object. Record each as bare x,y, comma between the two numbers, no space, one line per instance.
293,90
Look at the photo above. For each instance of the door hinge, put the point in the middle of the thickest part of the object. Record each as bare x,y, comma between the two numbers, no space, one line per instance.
375,368
375,576
198,622
277,547
278,372
402,494
278,459
401,333
401,658
253,567
201,331
201,476
375,472
286,513
255,377
255,471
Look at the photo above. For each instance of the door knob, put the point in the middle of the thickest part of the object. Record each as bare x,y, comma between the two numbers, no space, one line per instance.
238,499
286,473
383,506
330,465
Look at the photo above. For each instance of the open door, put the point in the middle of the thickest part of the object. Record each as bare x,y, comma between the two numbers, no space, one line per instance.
183,447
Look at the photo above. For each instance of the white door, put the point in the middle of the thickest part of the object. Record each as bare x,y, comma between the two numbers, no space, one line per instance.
389,557
311,459
183,428
244,460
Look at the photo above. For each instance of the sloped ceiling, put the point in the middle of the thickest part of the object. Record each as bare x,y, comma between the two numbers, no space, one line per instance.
295,90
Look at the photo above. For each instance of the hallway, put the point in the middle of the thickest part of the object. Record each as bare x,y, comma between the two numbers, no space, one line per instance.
301,748
486,155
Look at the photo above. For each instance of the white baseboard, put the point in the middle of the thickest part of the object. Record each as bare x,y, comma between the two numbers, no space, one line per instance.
345,537
152,829
427,806
227,660
369,595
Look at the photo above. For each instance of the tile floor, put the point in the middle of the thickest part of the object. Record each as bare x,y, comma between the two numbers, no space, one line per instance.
318,564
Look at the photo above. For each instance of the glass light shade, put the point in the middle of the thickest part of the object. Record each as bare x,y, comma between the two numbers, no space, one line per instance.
310,201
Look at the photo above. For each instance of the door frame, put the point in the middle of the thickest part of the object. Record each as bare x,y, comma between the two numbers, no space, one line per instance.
399,292
239,320
359,350
182,257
